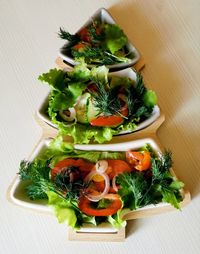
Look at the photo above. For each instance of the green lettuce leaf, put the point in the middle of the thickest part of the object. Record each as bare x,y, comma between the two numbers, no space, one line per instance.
80,72
57,146
94,156
117,81
150,98
116,221
61,101
64,100
177,185
67,212
83,134
100,73
170,197
76,89
127,126
55,78
62,209
59,150
115,39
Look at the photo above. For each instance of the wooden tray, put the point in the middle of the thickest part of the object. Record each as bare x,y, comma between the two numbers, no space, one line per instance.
149,132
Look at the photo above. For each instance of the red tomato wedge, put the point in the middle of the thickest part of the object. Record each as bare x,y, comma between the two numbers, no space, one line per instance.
84,35
107,121
140,160
116,167
86,206
80,46
100,186
83,165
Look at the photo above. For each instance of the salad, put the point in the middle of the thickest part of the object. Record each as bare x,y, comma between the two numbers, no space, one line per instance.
92,105
96,186
98,43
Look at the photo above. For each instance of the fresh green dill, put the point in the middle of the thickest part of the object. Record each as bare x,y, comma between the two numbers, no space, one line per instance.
67,36
142,188
135,93
161,166
140,88
96,55
68,182
96,37
38,189
34,170
142,112
37,173
106,99
132,188
87,52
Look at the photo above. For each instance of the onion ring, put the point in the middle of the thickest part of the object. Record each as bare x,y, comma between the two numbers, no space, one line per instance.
114,183
71,117
96,198
101,166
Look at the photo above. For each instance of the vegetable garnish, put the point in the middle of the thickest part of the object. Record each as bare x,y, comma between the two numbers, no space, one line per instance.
99,44
140,160
93,186
111,204
96,104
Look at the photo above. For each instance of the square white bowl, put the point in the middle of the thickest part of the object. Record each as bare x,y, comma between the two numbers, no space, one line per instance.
104,16
130,73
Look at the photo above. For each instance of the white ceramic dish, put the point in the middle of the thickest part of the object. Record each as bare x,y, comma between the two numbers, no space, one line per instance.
43,115
16,192
104,16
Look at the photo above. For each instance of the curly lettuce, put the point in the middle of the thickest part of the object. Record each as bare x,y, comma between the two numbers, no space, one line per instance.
115,38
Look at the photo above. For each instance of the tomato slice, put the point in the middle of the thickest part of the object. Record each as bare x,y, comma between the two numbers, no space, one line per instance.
107,121
100,186
116,167
84,166
140,160
79,47
84,35
87,206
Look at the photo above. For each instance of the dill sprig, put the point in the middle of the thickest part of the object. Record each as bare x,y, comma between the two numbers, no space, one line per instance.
161,166
96,55
37,173
140,88
96,37
67,36
135,103
106,99
138,189
88,52
67,183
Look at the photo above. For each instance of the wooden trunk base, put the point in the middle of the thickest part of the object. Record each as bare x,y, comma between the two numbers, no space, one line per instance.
118,236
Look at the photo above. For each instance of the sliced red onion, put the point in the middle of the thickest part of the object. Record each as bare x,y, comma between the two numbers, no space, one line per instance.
101,166
71,117
96,198
114,183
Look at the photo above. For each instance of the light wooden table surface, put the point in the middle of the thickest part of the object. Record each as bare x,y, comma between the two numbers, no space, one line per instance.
167,33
